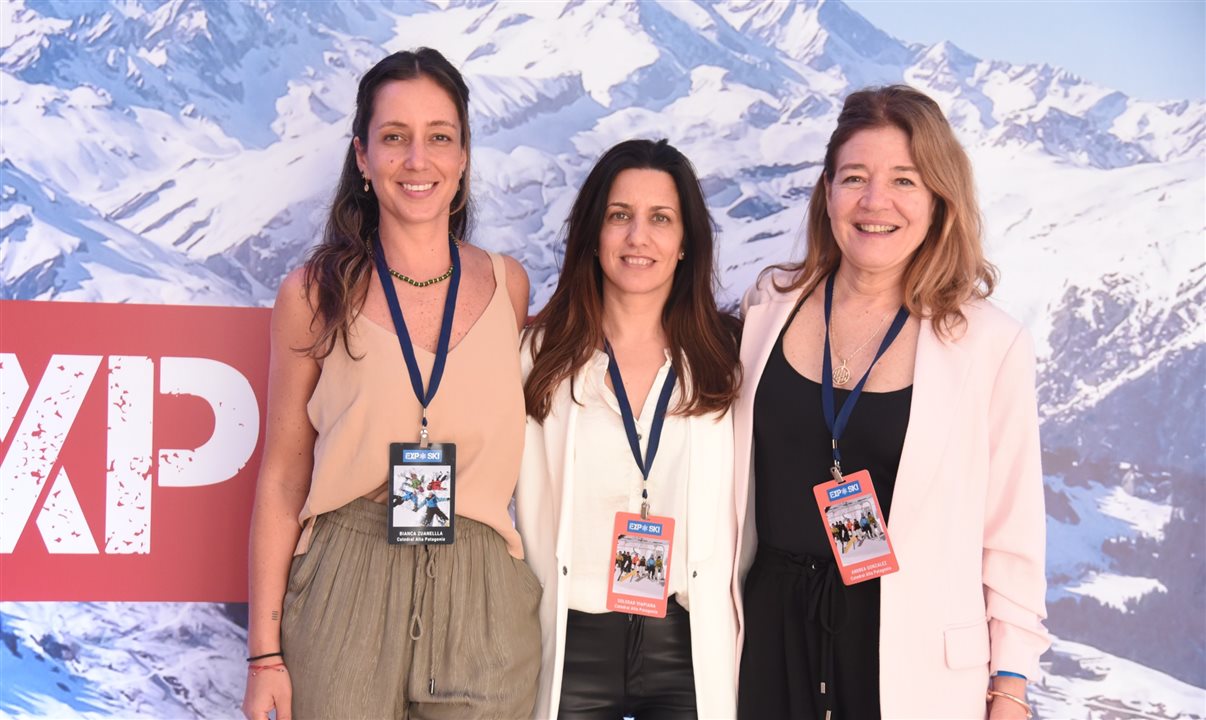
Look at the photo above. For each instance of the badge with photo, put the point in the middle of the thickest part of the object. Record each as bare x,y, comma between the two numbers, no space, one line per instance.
421,504
855,527
640,564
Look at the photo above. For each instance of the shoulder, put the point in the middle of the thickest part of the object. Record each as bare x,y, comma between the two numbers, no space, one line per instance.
986,322
294,322
514,277
990,332
293,286
516,274
517,287
766,288
294,299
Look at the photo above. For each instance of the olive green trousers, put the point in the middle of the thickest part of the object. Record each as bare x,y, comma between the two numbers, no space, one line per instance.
375,631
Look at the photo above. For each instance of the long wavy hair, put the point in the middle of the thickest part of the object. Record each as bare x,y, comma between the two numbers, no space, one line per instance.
703,341
949,267
340,267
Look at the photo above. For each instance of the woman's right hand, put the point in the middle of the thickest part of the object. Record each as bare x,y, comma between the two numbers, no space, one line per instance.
266,690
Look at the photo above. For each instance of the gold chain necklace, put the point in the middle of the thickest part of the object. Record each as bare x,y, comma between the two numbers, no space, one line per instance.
841,373
431,281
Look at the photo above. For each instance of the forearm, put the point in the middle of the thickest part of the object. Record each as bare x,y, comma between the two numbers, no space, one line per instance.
274,534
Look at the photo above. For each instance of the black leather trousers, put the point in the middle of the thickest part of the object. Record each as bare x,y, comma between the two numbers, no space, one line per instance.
619,665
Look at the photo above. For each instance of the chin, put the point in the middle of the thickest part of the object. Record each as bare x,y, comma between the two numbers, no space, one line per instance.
623,289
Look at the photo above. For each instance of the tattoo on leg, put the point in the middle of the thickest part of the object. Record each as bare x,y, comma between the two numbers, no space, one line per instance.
276,614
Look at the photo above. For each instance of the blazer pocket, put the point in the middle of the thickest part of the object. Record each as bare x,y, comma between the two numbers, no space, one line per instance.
967,645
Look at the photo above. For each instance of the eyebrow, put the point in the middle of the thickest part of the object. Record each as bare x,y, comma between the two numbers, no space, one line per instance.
433,123
626,206
860,166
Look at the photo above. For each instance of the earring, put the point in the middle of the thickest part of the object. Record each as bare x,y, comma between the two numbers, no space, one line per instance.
682,254
366,183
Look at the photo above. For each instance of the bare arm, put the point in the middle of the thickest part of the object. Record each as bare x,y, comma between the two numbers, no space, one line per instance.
281,491
518,288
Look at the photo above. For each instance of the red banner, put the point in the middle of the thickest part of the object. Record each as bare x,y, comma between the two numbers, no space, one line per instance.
130,439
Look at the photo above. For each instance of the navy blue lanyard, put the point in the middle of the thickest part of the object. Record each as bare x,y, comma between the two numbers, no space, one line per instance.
838,425
408,348
655,430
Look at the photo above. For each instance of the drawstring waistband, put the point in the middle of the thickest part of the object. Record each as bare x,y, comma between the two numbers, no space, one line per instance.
824,605
429,615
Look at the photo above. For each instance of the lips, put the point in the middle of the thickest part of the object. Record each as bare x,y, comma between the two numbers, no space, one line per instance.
636,261
417,187
876,229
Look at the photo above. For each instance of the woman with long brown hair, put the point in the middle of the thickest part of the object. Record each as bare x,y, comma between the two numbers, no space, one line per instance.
630,372
881,381
394,375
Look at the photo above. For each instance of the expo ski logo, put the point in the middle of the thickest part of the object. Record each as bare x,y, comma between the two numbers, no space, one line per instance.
128,449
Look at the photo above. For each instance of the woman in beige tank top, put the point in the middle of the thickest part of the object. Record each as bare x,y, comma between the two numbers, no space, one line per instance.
342,623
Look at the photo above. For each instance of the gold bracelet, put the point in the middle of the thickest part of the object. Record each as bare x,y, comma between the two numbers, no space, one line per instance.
993,694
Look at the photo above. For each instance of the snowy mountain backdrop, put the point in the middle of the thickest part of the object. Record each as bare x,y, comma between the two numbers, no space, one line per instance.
184,152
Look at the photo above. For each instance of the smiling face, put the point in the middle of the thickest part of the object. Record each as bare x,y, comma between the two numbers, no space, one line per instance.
642,234
413,155
879,210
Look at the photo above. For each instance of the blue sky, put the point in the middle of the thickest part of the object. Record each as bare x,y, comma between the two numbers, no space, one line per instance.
1149,49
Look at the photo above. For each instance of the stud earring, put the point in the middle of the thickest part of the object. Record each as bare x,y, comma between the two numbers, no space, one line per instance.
682,254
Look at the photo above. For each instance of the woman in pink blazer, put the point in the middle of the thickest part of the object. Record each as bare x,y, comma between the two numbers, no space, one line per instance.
932,392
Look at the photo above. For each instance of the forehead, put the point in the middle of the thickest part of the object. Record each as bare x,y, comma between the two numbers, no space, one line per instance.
415,102
887,145
644,186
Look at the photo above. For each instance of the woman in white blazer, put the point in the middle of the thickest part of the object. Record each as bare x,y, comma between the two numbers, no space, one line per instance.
892,291
633,328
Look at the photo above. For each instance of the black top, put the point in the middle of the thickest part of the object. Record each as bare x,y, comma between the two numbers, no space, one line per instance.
804,629
792,452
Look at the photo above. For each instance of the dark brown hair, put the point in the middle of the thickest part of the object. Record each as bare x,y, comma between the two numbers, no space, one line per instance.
949,267
339,269
703,341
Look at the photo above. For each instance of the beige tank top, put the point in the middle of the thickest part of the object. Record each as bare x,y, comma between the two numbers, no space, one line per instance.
361,406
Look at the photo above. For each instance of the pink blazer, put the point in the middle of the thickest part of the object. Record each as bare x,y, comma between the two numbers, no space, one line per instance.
967,517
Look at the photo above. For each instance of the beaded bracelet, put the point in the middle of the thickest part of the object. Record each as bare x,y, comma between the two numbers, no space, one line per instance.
993,694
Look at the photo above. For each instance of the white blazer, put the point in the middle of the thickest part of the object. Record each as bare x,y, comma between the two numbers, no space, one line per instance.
967,518
543,511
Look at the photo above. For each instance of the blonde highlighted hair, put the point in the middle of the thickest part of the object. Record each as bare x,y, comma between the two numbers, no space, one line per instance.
949,268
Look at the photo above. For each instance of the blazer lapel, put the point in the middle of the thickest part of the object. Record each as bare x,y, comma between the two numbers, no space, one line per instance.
761,329
759,332
559,440
938,378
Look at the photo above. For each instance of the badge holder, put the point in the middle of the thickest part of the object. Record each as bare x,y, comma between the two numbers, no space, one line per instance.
422,504
638,587
855,527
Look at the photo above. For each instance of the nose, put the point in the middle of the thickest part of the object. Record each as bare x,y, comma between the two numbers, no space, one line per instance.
874,196
416,157
638,230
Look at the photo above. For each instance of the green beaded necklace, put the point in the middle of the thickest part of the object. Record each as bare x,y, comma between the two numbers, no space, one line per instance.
424,283
421,283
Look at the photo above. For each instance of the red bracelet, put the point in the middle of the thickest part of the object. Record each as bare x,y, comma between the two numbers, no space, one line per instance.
256,669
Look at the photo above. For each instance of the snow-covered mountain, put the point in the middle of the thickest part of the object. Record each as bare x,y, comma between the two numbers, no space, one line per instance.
185,152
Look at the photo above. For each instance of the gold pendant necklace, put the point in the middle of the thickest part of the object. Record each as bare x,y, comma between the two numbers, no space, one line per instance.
841,373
